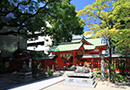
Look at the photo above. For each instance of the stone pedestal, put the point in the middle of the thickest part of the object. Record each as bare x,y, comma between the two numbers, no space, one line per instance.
80,79
24,76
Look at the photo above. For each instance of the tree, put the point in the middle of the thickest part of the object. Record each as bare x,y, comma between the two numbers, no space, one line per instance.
112,22
122,43
15,13
64,23
31,15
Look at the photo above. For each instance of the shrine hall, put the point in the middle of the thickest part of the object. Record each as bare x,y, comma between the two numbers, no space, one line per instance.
77,52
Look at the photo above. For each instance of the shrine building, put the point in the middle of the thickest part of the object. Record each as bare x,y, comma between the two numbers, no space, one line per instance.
77,52
82,50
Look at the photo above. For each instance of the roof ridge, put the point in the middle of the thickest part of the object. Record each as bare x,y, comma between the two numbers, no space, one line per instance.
69,44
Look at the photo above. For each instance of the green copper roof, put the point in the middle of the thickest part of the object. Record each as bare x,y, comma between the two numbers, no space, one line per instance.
95,42
75,46
67,47
89,47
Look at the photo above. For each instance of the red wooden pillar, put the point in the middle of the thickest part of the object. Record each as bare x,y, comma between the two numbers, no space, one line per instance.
99,62
92,65
74,60
59,61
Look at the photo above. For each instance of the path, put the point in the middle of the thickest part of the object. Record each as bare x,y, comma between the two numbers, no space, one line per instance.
57,83
40,84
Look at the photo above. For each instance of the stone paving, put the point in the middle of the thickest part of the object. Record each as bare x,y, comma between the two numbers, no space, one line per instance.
40,84
57,83
11,82
100,86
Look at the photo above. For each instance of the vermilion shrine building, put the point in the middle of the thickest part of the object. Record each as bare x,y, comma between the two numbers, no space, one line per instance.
77,52
69,53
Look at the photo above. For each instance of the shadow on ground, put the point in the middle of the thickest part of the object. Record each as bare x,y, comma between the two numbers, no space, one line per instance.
9,81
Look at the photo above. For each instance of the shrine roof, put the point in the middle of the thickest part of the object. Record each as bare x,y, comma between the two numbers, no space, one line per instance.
89,47
66,47
95,42
76,44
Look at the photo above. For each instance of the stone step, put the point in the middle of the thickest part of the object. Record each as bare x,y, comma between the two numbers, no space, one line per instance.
24,77
24,73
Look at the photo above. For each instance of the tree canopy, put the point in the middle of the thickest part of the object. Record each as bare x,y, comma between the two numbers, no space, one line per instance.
31,15
62,17
109,19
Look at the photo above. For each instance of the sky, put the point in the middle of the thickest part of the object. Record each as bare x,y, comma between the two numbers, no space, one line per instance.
79,5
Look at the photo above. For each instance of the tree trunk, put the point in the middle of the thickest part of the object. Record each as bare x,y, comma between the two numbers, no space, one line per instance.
110,52
18,40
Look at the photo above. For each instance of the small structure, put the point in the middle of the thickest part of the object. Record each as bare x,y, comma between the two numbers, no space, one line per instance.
82,76
24,70
48,63
24,76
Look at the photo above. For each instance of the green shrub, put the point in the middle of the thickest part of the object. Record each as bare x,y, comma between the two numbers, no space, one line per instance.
50,72
116,76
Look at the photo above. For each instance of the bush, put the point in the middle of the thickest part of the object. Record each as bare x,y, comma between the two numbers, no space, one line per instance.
116,76
50,72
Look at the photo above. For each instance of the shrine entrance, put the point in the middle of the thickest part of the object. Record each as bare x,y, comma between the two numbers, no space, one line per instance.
67,62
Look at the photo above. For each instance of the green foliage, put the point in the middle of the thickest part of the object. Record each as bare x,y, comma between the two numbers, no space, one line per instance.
119,77
116,76
50,72
97,72
62,17
123,43
114,23
36,56
31,15
66,57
